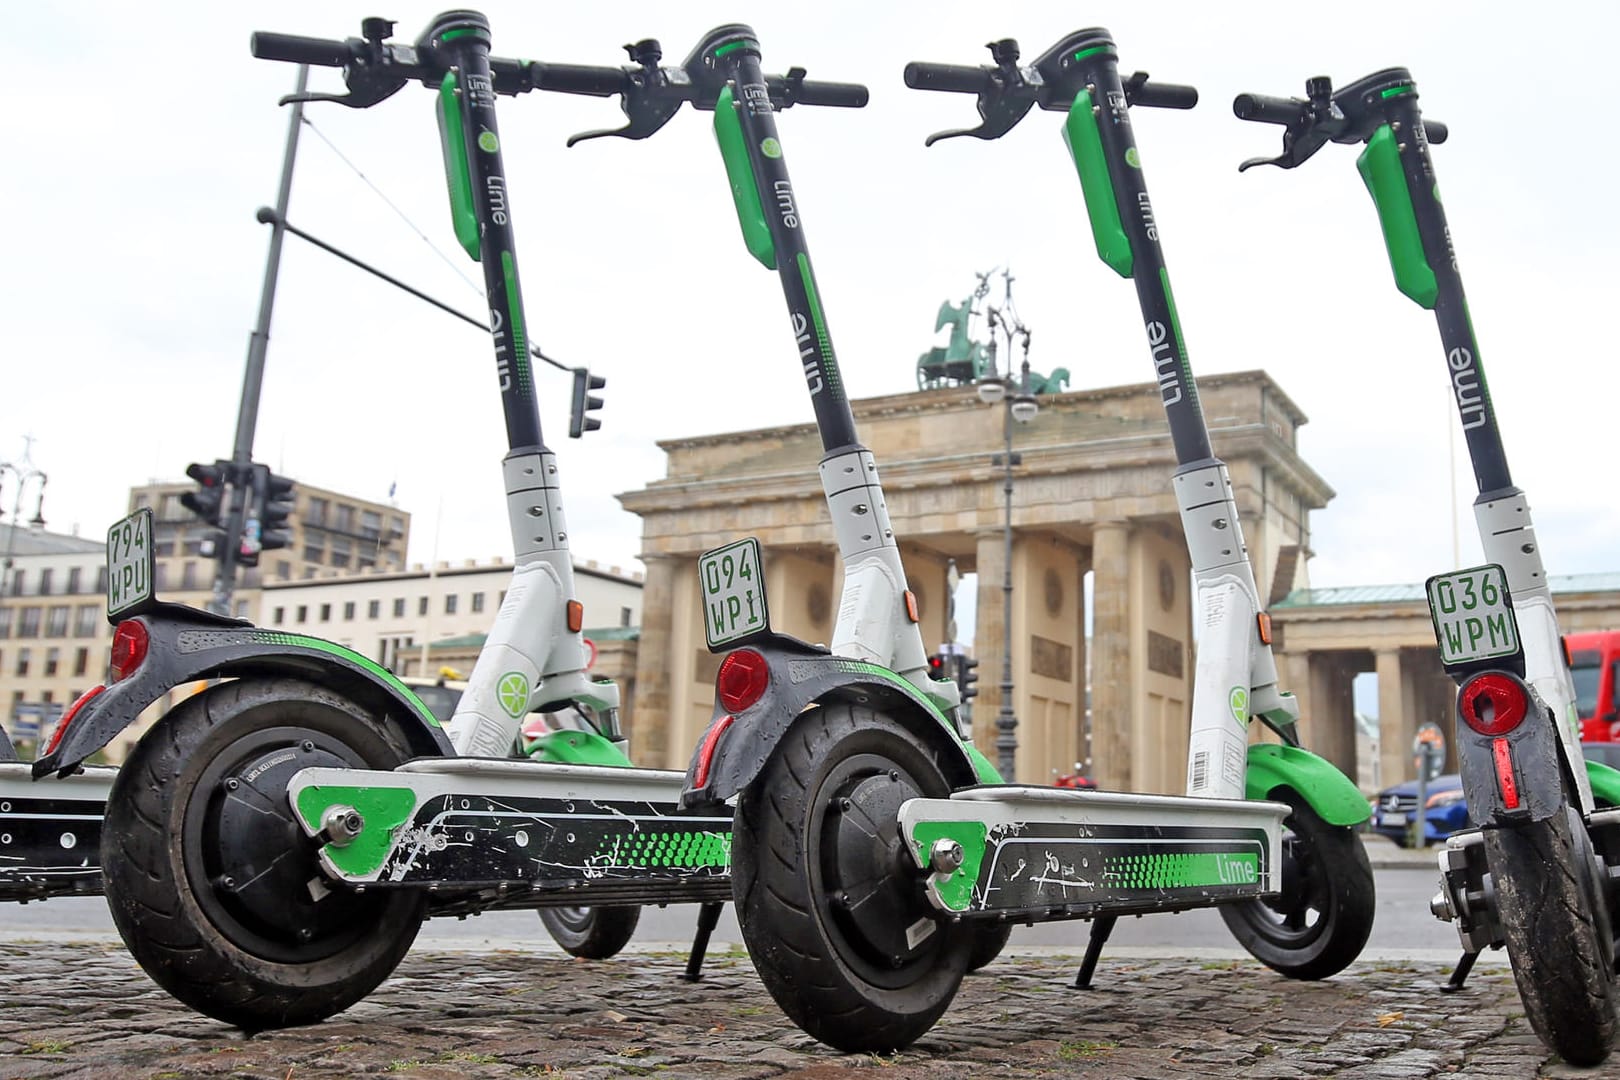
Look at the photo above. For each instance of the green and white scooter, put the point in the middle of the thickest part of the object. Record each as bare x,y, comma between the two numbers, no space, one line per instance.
1536,872
273,844
871,845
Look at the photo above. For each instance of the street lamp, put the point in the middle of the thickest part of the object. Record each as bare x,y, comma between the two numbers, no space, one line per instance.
25,473
1021,408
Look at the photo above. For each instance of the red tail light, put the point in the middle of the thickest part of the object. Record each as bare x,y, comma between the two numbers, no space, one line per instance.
1493,703
128,648
706,753
744,675
67,718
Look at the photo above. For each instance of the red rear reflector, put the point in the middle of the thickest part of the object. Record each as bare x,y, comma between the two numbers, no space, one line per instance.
706,752
128,648
1504,773
744,675
576,616
911,606
67,718
1493,703
1263,621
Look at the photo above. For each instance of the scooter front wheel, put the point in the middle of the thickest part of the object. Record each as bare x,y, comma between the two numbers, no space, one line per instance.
211,881
830,904
1555,923
1320,921
592,933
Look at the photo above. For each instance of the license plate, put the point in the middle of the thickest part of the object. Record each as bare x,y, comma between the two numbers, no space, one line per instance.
1394,819
1473,615
733,594
129,563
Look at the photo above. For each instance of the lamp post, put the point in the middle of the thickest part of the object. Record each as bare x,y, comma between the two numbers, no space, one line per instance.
24,473
1020,408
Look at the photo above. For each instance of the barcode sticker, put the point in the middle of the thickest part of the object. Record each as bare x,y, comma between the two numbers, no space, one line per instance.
1200,770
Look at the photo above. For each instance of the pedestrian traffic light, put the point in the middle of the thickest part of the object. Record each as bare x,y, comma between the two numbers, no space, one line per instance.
580,419
208,500
967,677
274,501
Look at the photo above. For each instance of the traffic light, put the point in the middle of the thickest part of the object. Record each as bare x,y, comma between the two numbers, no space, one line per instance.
208,501
274,501
580,419
967,677
936,667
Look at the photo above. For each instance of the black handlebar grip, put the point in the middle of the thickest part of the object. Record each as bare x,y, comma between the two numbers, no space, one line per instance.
837,94
579,79
953,78
1267,110
1435,131
300,50
1156,95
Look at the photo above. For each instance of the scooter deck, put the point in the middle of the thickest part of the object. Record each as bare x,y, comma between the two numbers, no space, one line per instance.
1039,854
495,832
50,832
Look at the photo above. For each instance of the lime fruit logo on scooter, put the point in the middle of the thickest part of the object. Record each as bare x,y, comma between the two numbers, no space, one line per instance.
1238,700
513,692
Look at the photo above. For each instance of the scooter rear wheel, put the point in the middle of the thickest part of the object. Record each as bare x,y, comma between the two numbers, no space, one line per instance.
830,904
1555,924
1320,922
592,933
211,881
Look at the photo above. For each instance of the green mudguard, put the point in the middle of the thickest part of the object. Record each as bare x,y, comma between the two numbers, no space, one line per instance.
1273,767
1605,783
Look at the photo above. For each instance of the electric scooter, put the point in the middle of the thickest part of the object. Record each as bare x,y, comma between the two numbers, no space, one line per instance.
1536,872
273,844
872,844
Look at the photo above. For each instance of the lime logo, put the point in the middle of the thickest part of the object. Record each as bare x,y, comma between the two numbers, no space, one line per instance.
488,143
1239,701
513,691
1132,158
770,147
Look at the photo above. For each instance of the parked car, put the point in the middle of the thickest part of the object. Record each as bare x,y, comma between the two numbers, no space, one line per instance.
1444,812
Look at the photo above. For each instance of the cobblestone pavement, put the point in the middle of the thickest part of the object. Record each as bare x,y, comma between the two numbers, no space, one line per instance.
86,1010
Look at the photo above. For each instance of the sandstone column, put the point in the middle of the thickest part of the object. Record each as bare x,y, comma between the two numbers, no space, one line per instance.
648,727
1111,690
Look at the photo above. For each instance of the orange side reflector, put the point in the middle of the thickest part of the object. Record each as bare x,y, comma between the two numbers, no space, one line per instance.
576,616
1264,622
911,606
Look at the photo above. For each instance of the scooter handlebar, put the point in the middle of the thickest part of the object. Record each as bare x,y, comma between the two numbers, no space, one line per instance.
836,94
952,78
296,49
1162,95
578,79
1263,109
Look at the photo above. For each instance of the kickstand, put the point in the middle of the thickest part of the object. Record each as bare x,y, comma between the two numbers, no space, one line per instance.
1459,974
708,918
1101,927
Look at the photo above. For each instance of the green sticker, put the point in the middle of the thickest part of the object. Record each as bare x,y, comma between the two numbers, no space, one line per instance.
487,142
1132,157
770,147
1238,699
513,692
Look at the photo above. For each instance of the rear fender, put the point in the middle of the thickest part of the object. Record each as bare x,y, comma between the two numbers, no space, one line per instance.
1536,754
1275,768
1605,784
186,646
803,676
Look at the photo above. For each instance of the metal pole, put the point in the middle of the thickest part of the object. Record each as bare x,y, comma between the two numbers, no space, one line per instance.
247,415
1006,722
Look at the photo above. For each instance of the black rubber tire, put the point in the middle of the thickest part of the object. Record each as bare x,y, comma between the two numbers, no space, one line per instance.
988,941
845,970
167,859
593,933
1324,915
1555,925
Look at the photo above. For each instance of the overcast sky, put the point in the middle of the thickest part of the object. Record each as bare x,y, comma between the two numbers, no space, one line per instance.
142,138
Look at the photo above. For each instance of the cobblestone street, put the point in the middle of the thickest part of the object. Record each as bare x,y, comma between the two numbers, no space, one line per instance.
86,1010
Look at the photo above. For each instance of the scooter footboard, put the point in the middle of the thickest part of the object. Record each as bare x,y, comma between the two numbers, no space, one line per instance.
50,832
525,830
1044,853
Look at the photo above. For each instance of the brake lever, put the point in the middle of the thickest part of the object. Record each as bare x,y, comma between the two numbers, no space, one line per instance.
1301,140
997,114
645,112
369,93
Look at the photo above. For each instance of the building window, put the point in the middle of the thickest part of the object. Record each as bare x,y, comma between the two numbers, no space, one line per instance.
53,659
81,661
348,610
303,612
5,622
23,656
283,570
101,580
450,603
241,609
280,616
309,573
188,574
421,605
364,559
85,617
17,583
163,546
373,609
341,550
160,575
74,575
192,544
317,512
28,623
343,520
399,607
371,525
326,613
625,615
314,549
45,582
477,602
